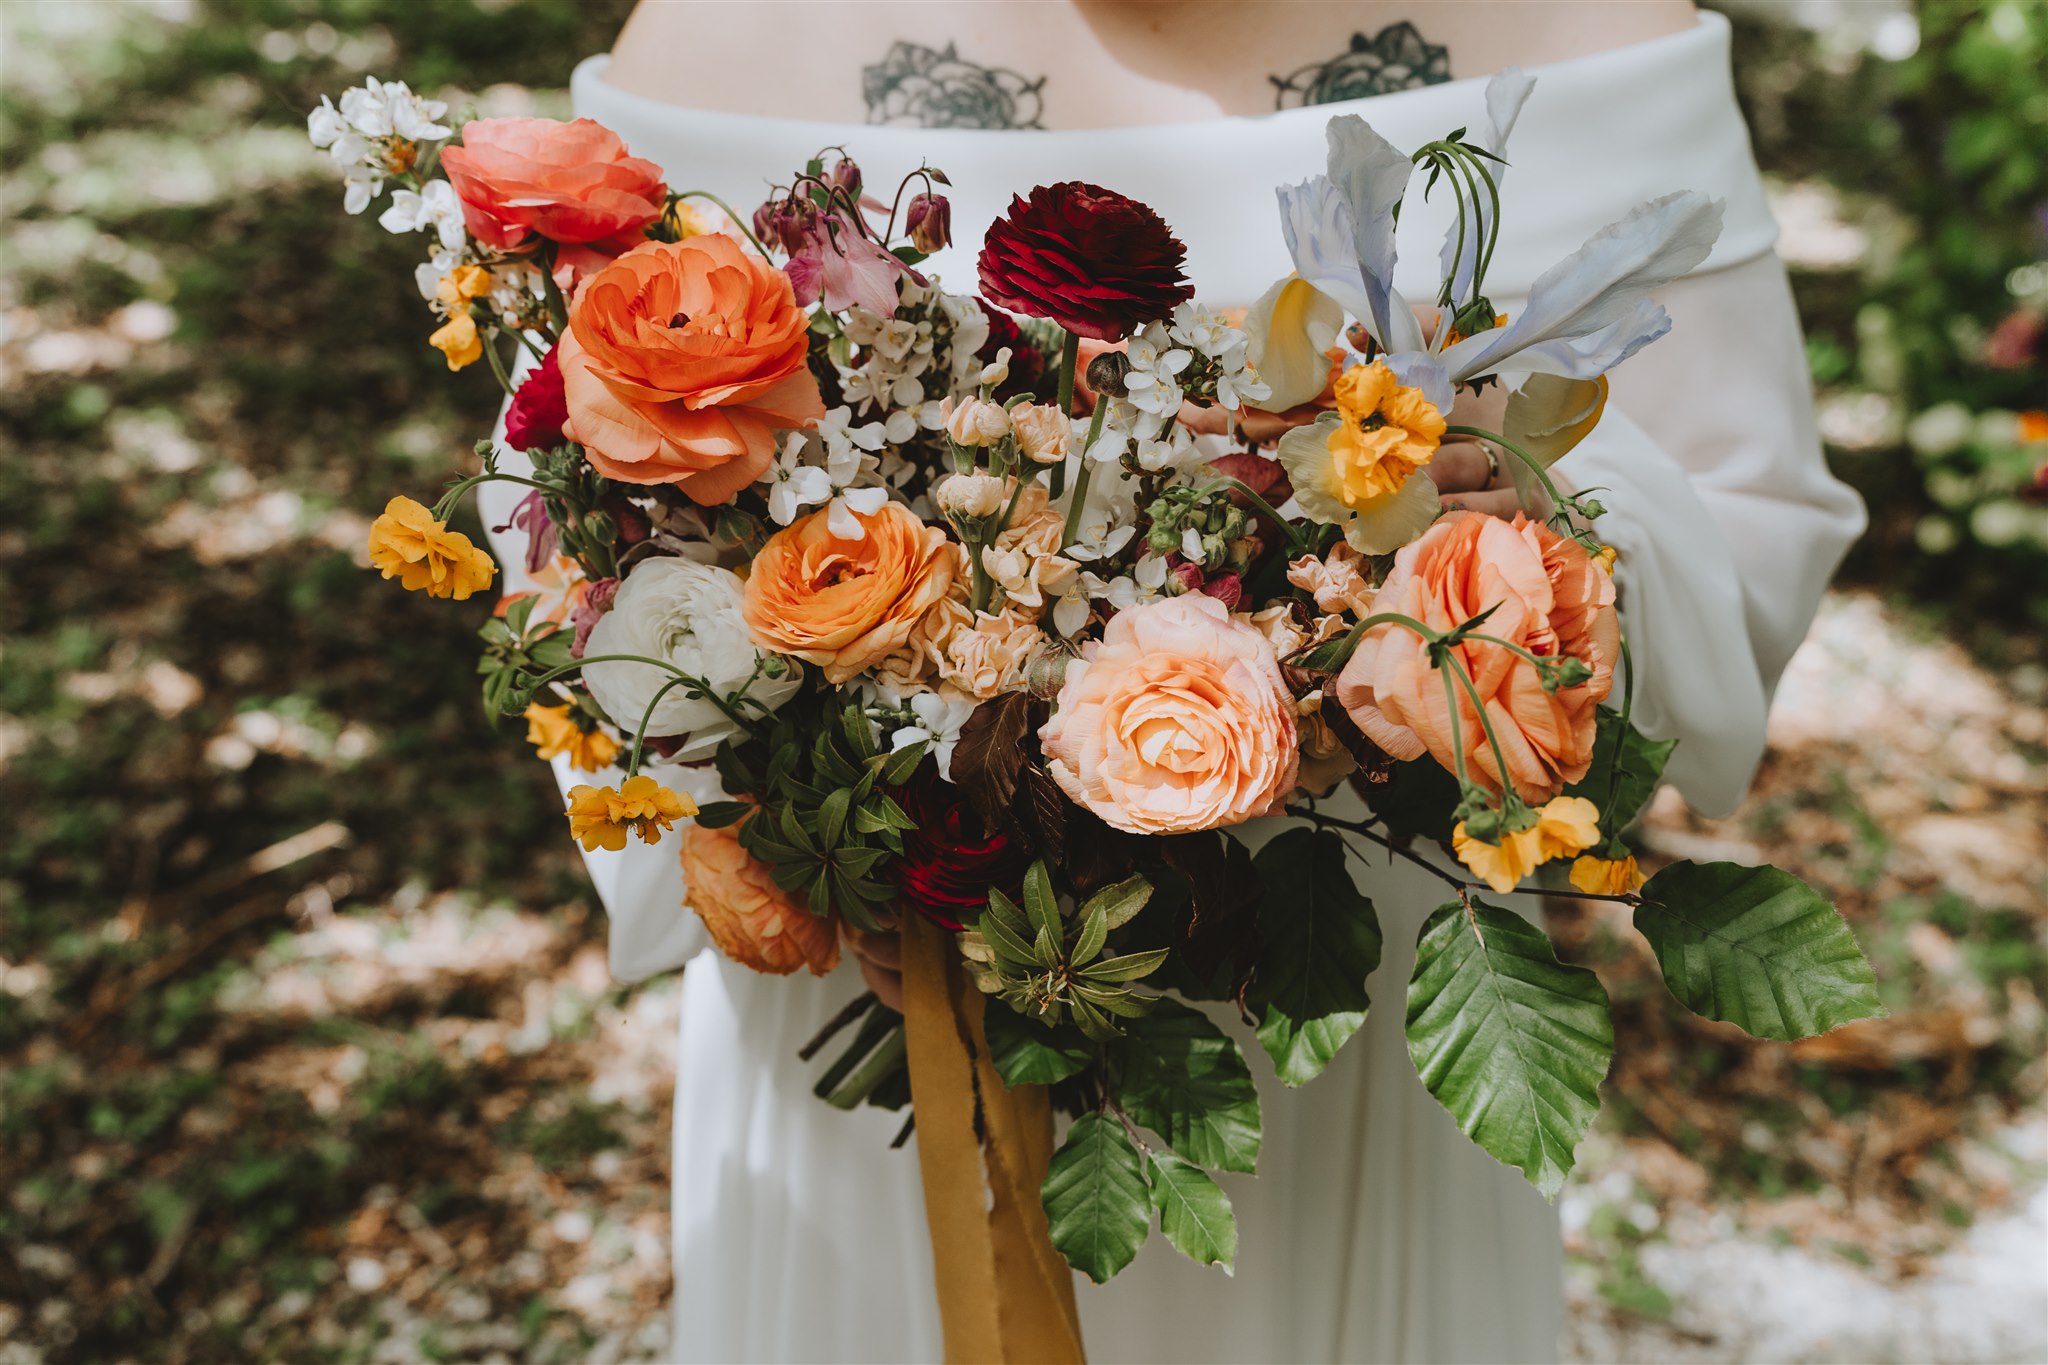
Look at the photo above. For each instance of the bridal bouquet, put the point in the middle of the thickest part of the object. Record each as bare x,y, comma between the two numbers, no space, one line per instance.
1013,620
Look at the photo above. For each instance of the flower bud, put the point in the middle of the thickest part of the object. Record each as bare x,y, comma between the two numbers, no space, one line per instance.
997,372
930,222
1045,674
970,496
977,422
1043,432
845,176
1106,373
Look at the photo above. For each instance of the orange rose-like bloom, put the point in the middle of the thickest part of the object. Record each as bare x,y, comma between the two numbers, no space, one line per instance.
424,555
844,604
681,363
752,920
1180,721
569,182
1551,599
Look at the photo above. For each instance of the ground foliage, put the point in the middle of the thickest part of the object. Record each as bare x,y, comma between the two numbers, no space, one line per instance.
281,1074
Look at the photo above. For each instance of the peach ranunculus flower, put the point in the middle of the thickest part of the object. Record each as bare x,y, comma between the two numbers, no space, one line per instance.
846,604
752,920
682,362
987,652
1550,598
571,183
1179,721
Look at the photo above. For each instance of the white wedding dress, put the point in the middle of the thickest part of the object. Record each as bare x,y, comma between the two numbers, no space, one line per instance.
1376,1230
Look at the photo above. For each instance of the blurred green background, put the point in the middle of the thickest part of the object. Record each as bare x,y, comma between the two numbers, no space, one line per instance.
307,1049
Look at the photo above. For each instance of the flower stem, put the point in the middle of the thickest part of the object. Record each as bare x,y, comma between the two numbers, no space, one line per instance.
446,506
1536,467
647,718
1070,356
1462,886
1072,530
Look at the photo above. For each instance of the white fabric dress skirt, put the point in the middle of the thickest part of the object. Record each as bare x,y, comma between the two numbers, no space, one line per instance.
1375,1230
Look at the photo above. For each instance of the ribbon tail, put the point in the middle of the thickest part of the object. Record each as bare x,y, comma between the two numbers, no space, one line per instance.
1005,1295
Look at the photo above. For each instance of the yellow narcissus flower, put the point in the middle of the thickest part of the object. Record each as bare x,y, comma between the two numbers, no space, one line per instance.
553,731
457,338
1359,468
1564,826
1607,876
599,817
408,544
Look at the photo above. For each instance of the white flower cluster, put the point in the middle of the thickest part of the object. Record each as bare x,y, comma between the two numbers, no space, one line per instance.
1222,349
831,464
373,135
434,206
516,287
910,363
1197,351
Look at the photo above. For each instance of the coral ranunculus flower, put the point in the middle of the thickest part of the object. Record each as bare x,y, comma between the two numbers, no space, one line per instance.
1097,263
1180,721
752,920
424,555
845,604
1549,597
572,183
681,363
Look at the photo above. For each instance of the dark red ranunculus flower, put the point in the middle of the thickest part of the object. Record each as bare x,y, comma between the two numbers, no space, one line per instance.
534,421
950,861
1091,260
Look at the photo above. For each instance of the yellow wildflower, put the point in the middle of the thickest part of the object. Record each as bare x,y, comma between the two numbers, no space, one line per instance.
600,816
685,220
1564,826
1607,876
457,338
1387,431
424,555
1605,557
551,730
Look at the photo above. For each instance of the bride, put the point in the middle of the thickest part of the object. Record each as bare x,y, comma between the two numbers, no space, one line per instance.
1378,1232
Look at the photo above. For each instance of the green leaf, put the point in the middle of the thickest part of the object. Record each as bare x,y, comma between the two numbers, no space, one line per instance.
1194,1212
1186,1080
1094,933
1320,940
1757,948
719,814
1129,967
1642,766
1027,1052
832,818
1510,1040
1119,903
1040,903
899,766
1096,1203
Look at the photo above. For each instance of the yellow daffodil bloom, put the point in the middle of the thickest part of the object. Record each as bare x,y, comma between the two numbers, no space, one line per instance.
1607,876
552,731
1566,825
599,817
424,555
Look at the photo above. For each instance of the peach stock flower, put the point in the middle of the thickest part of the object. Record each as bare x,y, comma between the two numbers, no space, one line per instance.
752,920
424,555
682,362
1179,721
1549,598
845,604
572,183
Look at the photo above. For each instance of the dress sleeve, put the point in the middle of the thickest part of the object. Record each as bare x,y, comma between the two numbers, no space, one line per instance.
1726,517
641,885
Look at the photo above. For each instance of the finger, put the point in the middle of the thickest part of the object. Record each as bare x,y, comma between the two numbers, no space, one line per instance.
1461,467
884,950
1497,502
887,985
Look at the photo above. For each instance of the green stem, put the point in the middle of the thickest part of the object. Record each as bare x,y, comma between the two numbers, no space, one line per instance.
1536,466
737,221
497,365
1457,670
646,719
704,689
1070,357
446,506
1365,832
558,307
1080,499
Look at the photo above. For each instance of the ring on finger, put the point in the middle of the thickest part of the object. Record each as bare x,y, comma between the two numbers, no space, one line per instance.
1492,463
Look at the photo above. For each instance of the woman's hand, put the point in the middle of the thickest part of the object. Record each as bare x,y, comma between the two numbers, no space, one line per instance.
1469,474
880,956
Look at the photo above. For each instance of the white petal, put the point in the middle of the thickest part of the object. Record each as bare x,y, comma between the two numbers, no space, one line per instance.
841,522
866,501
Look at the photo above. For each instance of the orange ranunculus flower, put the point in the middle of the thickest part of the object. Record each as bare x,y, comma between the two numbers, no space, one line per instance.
571,183
1550,599
552,731
681,363
752,920
1566,825
599,817
844,604
424,555
1180,721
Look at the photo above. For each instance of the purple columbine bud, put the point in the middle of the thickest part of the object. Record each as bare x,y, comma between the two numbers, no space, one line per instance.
930,221
845,176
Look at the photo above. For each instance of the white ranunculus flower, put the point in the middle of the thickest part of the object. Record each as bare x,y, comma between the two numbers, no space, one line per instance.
688,614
